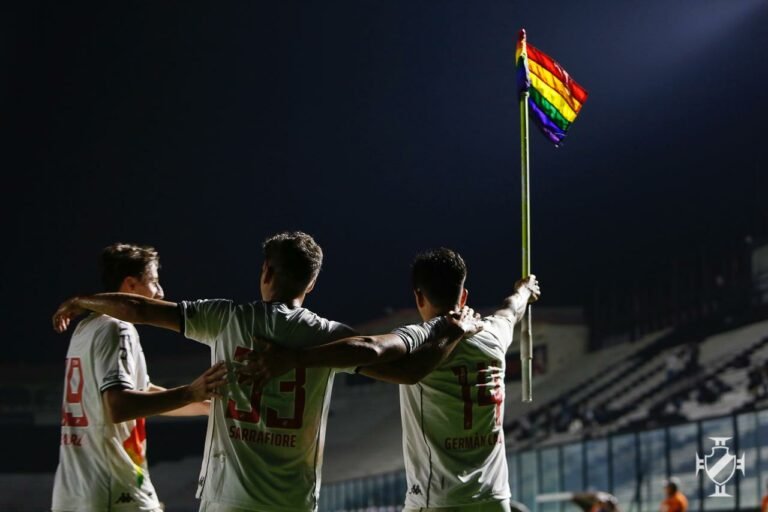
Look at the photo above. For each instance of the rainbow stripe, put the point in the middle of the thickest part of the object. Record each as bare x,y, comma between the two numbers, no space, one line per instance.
135,446
555,99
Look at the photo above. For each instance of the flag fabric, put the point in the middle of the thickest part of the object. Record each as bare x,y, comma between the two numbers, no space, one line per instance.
555,99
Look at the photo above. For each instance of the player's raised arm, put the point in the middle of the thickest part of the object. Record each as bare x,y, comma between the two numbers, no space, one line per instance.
355,351
526,292
136,309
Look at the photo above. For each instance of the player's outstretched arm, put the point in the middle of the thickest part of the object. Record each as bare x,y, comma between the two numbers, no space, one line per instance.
414,367
420,362
125,404
269,360
526,292
136,309
202,408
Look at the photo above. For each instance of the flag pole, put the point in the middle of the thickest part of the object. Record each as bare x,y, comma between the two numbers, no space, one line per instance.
526,333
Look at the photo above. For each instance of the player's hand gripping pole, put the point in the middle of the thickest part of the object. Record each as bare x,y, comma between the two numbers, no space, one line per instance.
526,334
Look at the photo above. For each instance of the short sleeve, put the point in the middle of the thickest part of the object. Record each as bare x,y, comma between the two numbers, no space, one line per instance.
339,331
204,320
415,335
502,327
114,365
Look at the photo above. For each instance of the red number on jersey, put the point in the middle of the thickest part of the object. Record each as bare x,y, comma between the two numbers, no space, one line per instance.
466,395
489,391
253,414
296,387
72,411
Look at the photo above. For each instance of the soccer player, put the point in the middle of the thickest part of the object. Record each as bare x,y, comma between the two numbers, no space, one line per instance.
452,417
264,448
107,394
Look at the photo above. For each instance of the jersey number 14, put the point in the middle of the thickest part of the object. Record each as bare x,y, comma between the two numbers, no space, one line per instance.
489,391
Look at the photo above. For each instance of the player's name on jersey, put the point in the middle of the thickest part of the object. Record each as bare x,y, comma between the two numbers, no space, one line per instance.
71,439
471,442
260,437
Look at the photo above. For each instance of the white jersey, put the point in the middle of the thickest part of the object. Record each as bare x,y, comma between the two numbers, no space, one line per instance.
453,437
102,465
263,451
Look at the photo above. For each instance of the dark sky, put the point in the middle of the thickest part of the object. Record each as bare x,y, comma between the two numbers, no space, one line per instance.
380,127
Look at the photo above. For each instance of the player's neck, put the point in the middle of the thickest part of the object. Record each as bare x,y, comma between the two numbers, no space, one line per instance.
292,303
272,296
428,313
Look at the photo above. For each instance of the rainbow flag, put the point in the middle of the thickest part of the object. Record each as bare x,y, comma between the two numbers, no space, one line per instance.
555,99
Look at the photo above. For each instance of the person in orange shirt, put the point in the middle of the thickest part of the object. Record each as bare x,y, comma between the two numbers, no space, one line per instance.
675,500
764,506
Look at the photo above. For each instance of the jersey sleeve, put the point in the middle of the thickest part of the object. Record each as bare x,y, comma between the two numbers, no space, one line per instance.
501,327
204,320
415,335
113,365
337,331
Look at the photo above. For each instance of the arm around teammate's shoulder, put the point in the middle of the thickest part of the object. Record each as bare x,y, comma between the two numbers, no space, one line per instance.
527,291
430,342
429,355
128,307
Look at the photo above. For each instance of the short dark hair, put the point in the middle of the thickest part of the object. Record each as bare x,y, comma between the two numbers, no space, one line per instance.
120,260
673,484
295,258
439,274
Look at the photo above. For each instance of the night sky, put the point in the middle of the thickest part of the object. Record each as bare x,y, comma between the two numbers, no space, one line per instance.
380,127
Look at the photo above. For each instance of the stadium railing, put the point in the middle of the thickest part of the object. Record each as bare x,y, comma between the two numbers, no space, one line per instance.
632,466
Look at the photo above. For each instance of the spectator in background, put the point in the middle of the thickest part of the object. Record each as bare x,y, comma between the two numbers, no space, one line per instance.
692,366
587,416
601,415
711,390
675,501
674,365
764,372
596,502
564,416
764,505
756,384
588,501
575,426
